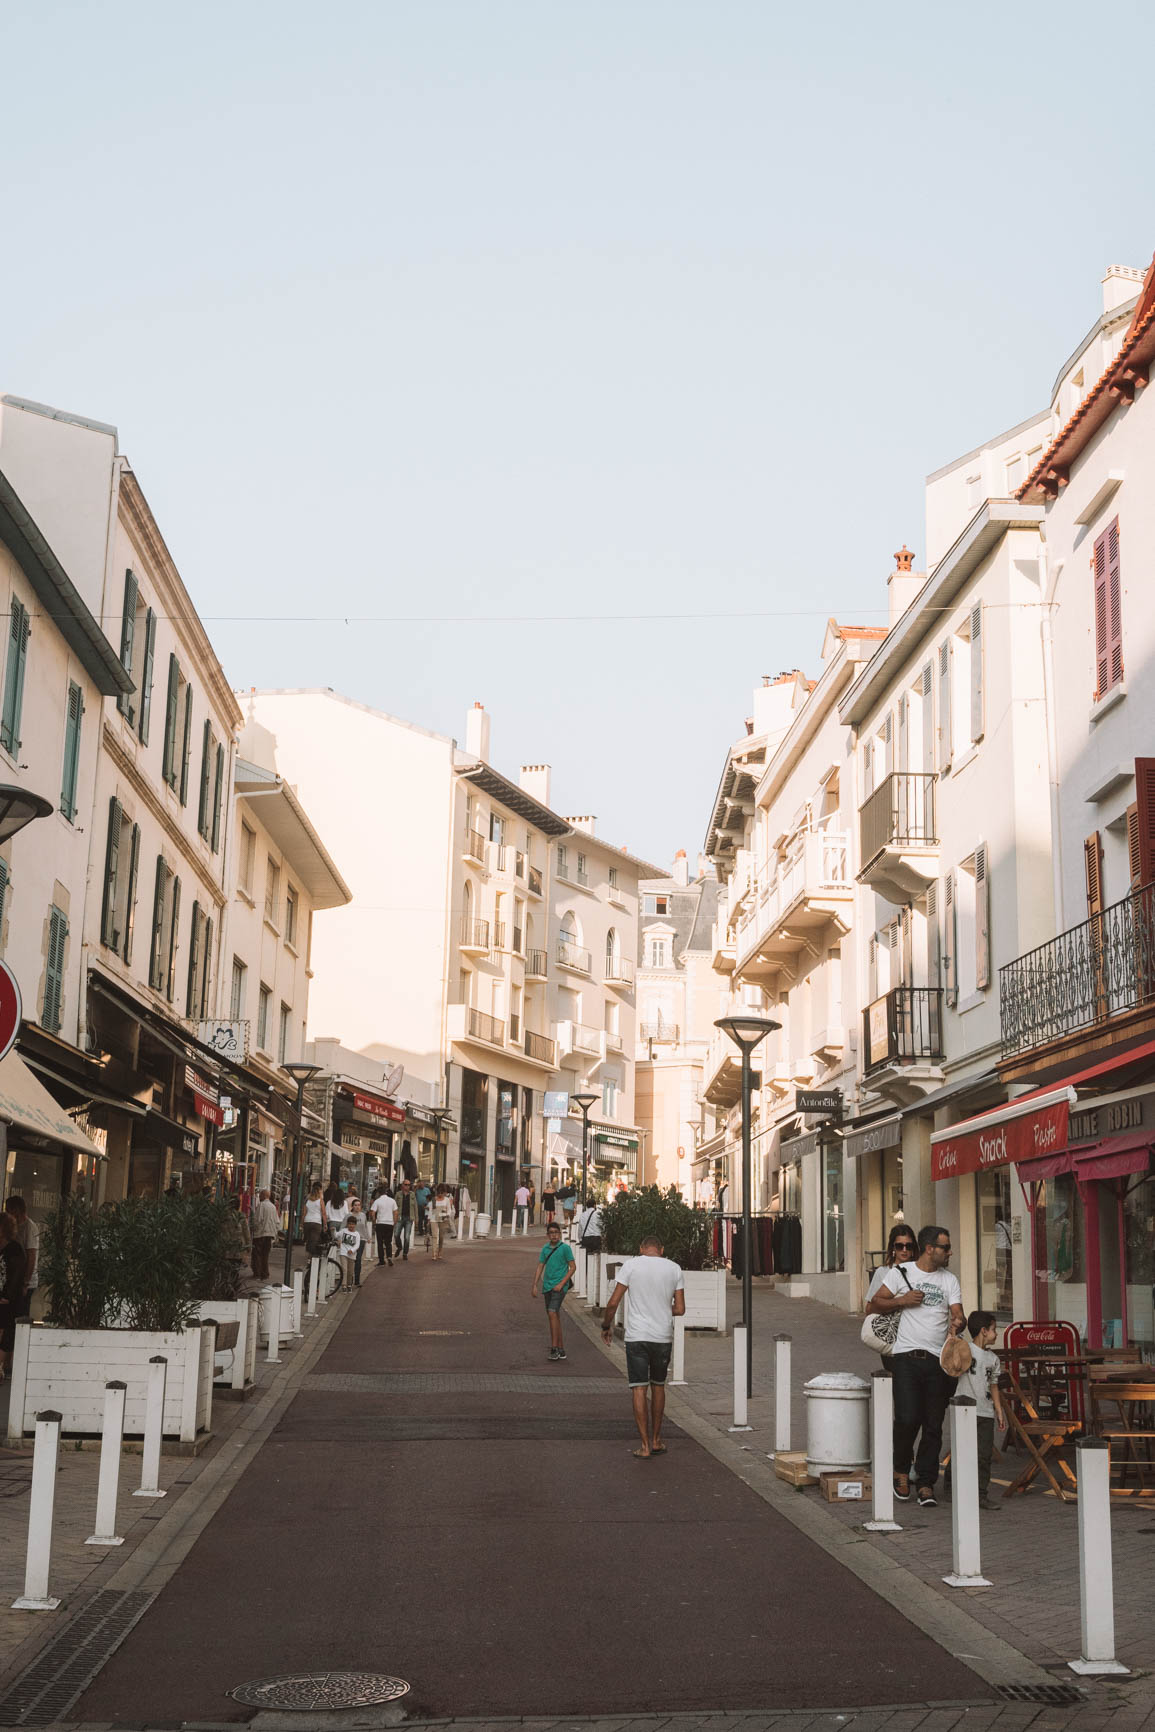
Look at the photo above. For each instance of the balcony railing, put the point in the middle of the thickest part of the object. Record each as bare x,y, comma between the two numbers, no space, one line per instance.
899,814
533,879
535,963
499,935
539,1046
501,853
1081,978
613,1040
660,1030
573,956
619,971
488,1028
586,1039
903,1026
519,939
475,845
474,934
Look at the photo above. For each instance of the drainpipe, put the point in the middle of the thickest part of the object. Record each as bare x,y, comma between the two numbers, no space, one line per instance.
1048,582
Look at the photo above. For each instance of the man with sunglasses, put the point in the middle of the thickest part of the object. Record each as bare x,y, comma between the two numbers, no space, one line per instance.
928,1300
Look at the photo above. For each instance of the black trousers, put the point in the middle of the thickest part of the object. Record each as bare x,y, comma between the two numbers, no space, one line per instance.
384,1232
922,1390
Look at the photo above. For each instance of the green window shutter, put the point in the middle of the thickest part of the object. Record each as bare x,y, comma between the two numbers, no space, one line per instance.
218,791
186,747
206,966
54,971
130,895
155,970
146,675
124,702
168,760
108,933
72,719
170,983
194,960
18,629
206,772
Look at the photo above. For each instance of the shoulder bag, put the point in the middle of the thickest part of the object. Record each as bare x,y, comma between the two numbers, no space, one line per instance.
881,1332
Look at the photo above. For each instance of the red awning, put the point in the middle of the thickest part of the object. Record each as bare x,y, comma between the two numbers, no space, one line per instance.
1044,1167
1031,1126
1116,1158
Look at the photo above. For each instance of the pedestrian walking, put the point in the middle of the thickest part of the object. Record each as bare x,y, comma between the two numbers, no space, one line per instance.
423,1191
12,1267
520,1201
362,1215
383,1208
554,1277
567,1197
928,1299
336,1210
548,1203
590,1229
406,1215
901,1247
28,1238
656,1287
312,1228
349,1248
442,1216
981,1383
266,1224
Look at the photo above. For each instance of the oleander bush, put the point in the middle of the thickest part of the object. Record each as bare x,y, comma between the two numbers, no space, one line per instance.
143,1263
683,1228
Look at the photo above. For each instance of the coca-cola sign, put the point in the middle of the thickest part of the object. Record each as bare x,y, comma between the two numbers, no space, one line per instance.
997,1144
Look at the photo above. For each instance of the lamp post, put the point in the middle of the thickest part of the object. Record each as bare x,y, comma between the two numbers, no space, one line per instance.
439,1116
746,1032
301,1073
585,1102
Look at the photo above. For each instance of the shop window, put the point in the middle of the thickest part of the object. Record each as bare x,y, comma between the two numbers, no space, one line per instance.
474,1095
1060,1270
506,1141
833,1210
1139,1251
993,1201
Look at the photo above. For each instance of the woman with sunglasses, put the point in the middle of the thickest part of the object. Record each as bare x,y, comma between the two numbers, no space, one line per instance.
901,1247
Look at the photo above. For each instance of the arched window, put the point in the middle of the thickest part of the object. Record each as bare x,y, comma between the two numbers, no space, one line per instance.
569,934
611,954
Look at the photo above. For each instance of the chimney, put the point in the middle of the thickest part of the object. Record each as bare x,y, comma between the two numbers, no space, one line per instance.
681,867
775,703
1121,284
586,822
534,778
477,732
902,584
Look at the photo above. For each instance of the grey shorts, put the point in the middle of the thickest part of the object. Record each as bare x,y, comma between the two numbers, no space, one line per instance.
647,1362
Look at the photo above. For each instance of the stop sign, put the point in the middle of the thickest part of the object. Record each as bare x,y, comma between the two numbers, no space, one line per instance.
10,1008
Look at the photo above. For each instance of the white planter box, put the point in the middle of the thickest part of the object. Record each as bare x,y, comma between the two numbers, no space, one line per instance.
66,1370
706,1299
239,1370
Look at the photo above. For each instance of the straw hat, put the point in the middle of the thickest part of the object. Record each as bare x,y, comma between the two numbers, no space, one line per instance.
956,1356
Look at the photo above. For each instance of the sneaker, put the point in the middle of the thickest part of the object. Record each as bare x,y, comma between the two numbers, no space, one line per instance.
926,1498
561,1352
989,1504
900,1494
554,1354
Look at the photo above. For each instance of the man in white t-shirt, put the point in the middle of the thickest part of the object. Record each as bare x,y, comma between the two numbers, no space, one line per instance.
520,1201
384,1212
928,1300
657,1295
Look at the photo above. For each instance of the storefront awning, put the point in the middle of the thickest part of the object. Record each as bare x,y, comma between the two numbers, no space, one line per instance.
869,1139
1019,1131
1114,1158
27,1104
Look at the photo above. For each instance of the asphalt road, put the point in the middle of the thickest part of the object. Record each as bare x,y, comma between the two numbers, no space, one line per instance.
497,1545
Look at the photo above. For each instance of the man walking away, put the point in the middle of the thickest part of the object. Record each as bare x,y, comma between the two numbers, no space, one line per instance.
406,1214
928,1300
520,1201
657,1295
590,1229
266,1225
423,1193
384,1212
555,1268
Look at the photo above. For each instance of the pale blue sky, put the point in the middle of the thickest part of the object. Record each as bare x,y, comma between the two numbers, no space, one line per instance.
510,307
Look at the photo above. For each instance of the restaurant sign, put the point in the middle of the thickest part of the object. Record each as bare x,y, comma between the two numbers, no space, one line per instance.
973,1146
379,1109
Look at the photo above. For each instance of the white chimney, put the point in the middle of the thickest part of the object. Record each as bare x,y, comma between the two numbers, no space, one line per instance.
681,867
586,822
902,584
775,703
534,778
477,732
1120,285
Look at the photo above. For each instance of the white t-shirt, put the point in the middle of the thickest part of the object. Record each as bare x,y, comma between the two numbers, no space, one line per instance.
521,1197
384,1210
976,1382
28,1234
590,1225
652,1283
313,1210
337,1214
349,1239
923,1326
876,1281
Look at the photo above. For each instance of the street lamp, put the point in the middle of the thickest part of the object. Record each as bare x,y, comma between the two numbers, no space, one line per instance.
18,807
585,1102
746,1032
301,1072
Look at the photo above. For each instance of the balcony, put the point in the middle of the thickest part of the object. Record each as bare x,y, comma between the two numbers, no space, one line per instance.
898,836
499,932
540,1048
619,972
467,1024
613,1040
535,964
1083,979
722,1073
722,945
475,848
475,937
792,917
533,880
902,1042
579,1037
573,957
661,1031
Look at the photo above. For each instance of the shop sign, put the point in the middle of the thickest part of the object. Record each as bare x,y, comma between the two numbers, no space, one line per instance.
887,1134
799,1146
351,1139
617,1142
208,1109
1023,1138
379,1109
556,1104
10,1008
196,1082
229,1040
820,1103
878,1031
1107,1121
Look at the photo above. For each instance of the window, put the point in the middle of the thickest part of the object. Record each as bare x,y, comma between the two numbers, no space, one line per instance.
1014,473
18,634
655,904
291,904
1108,612
611,954
53,1012
165,918
610,1089
205,804
237,991
146,676
562,860
283,1034
945,675
218,794
248,856
613,877
272,890
583,876
659,952
177,731
73,714
496,828
993,1205
137,654
121,859
263,998
199,965
124,702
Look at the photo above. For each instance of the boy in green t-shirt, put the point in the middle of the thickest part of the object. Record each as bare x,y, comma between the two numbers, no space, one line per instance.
555,1268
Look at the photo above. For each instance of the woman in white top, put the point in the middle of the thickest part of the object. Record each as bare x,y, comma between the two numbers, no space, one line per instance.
336,1213
312,1227
901,1247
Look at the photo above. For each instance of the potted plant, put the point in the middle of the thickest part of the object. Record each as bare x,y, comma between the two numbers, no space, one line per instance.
685,1232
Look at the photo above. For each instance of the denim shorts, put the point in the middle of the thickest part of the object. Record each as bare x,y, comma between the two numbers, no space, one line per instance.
554,1298
647,1362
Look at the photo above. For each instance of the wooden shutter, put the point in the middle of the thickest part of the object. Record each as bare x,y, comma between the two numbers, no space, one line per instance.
894,940
944,718
18,631
186,746
926,684
1143,855
206,966
903,759
1114,605
124,701
155,972
194,961
168,760
170,983
218,790
108,933
933,941
146,675
950,956
1134,856
54,971
982,917
977,722
130,893
206,772
1093,873
72,719
888,745
3,894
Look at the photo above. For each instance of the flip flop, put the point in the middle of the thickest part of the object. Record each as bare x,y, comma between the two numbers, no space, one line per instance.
641,1454
658,1449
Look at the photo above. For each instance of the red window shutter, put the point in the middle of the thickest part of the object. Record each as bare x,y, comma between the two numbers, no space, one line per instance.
1093,872
1145,819
1133,857
1102,654
1114,604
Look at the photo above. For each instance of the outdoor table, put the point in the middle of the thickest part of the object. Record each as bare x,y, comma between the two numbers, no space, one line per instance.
1134,1425
1039,1434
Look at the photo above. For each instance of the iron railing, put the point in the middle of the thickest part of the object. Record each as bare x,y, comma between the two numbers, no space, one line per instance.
533,879
488,1028
499,935
899,814
474,934
475,845
619,971
573,956
539,1046
660,1030
1083,977
902,1026
535,962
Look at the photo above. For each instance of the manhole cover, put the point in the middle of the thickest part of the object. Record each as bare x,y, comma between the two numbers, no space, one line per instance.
321,1690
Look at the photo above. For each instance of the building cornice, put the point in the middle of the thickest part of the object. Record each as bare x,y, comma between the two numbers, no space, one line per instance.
144,789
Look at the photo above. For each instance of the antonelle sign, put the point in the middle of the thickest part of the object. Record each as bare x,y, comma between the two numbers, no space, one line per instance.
996,1139
824,1102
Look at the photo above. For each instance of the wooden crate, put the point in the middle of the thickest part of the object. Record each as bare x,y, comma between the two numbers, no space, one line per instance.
790,1465
849,1487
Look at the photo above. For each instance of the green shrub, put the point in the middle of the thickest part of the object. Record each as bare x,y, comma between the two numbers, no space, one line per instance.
144,1263
636,1215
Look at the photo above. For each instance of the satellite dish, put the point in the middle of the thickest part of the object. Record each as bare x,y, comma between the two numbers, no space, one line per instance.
393,1079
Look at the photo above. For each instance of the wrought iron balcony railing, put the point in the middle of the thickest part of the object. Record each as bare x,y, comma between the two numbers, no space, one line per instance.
474,934
475,845
539,1046
619,970
899,814
1083,977
488,1028
535,962
903,1026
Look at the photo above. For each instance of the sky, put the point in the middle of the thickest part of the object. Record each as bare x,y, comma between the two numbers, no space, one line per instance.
578,359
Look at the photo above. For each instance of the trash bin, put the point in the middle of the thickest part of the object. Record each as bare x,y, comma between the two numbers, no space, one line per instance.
481,1229
837,1422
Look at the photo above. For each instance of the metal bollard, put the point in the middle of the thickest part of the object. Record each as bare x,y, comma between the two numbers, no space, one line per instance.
38,1558
678,1368
111,1436
782,1344
964,1499
314,1285
1096,1578
273,1295
153,1428
739,1379
882,1455
472,1223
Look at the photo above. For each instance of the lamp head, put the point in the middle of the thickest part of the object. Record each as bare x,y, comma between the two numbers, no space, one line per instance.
747,1031
584,1101
18,807
301,1071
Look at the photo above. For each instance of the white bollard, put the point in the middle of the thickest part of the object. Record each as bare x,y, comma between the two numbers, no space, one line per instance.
579,1280
111,1436
497,1226
272,1298
678,1368
882,1455
782,1345
314,1284
298,1299
739,1379
1096,1579
38,1558
322,1279
964,1497
153,1428
472,1223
